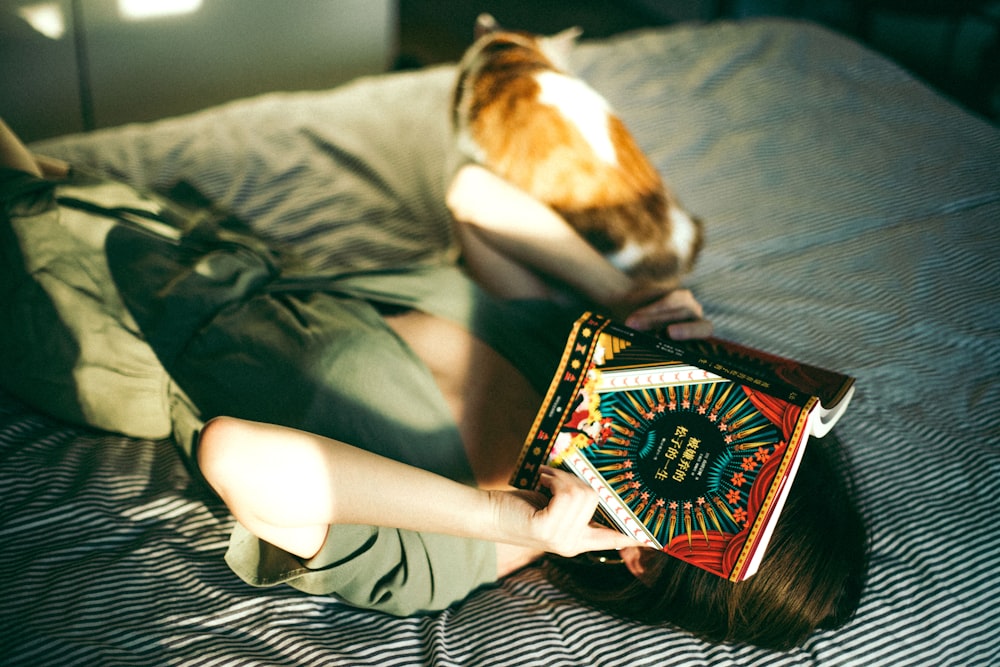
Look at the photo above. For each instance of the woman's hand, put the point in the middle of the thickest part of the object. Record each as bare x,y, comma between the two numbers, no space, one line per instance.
676,313
561,524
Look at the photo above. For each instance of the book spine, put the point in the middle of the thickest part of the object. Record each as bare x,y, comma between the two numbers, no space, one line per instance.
555,409
720,365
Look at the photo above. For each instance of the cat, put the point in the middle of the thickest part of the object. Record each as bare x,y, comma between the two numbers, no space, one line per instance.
519,113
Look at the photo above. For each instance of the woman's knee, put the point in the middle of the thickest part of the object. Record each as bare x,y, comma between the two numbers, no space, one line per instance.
219,454
250,462
271,478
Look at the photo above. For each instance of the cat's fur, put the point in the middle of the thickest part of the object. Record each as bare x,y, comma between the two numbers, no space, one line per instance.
518,113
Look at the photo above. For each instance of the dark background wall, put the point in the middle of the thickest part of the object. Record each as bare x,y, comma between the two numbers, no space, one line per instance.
99,67
105,70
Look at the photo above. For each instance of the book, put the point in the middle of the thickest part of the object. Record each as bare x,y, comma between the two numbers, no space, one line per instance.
691,446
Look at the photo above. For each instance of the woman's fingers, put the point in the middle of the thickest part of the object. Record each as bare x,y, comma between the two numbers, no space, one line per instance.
678,311
567,521
560,521
675,305
689,330
602,538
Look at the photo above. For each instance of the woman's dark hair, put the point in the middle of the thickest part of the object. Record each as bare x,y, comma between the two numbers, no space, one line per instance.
811,576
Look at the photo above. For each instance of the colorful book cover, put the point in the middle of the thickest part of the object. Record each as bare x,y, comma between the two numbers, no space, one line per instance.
692,461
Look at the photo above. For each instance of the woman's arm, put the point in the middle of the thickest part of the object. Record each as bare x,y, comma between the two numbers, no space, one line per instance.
510,239
288,486
505,223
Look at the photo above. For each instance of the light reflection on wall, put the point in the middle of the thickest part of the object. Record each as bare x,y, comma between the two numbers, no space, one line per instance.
49,19
140,10
45,17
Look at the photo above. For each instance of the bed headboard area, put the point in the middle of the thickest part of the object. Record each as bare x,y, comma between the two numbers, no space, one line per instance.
852,220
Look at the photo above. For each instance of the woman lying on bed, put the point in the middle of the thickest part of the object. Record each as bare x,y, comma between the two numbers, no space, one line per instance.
362,428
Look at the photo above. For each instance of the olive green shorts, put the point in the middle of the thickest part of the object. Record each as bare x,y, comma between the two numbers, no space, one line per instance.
156,316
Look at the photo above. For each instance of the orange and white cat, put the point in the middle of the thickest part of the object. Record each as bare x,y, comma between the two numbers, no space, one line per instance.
520,114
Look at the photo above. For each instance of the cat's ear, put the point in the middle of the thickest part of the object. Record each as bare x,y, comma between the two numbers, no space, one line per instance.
485,24
558,47
568,36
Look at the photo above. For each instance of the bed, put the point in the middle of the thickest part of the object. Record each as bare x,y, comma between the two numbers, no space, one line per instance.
853,221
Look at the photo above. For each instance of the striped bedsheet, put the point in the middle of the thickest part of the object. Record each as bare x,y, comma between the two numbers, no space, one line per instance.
852,221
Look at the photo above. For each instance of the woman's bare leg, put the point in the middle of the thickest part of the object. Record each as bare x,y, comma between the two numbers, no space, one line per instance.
51,167
15,155
274,482
492,403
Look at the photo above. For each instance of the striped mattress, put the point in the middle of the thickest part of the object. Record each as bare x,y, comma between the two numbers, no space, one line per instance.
853,221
